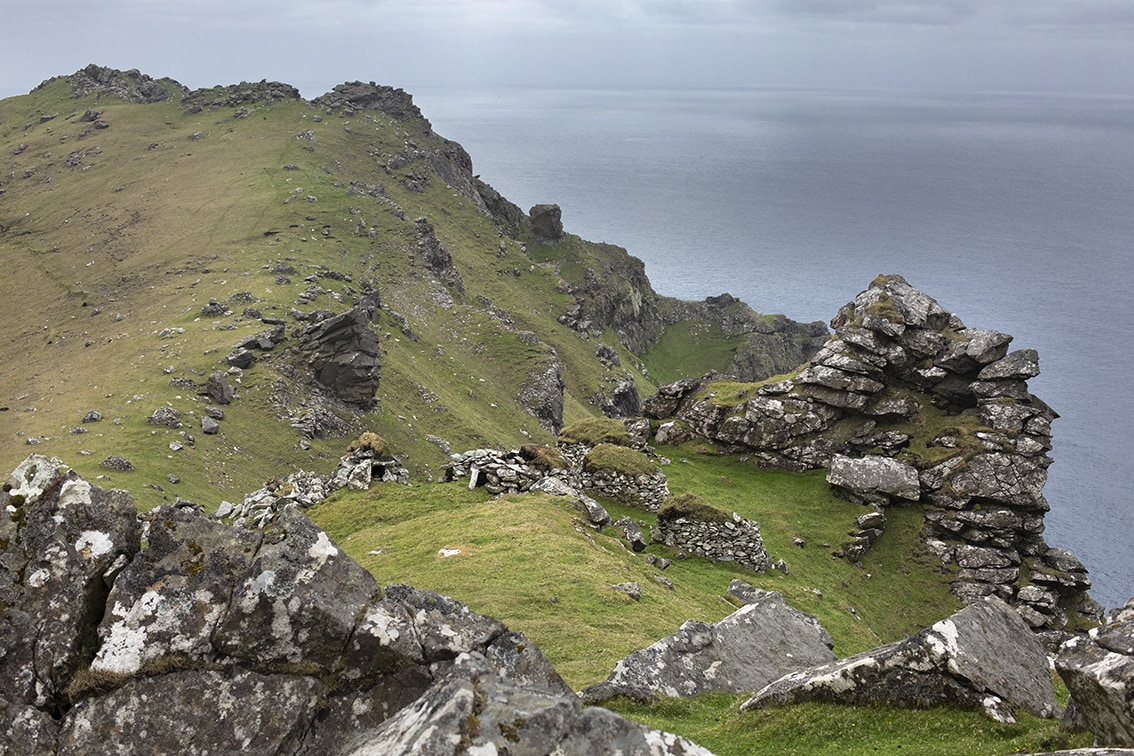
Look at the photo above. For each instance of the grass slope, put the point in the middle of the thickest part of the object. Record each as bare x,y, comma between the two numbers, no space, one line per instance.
116,235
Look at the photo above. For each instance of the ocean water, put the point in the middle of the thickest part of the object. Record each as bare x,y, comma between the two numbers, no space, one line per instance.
1014,211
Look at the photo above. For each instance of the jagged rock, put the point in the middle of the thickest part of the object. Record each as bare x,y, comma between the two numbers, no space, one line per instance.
138,718
542,391
241,358
217,638
93,416
345,356
633,590
165,416
475,710
219,389
983,657
436,258
63,545
1099,671
546,222
633,533
874,479
753,646
209,426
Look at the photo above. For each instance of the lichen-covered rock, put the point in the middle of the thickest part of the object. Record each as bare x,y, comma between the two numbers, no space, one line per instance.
475,710
874,479
64,542
756,644
201,711
983,657
1099,671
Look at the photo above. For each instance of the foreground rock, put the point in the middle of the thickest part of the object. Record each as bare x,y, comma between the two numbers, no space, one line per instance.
983,657
209,638
1099,671
745,651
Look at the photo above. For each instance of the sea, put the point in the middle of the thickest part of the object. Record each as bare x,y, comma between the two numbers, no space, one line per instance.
1013,210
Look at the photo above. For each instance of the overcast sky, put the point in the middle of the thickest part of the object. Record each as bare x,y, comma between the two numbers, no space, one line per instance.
954,45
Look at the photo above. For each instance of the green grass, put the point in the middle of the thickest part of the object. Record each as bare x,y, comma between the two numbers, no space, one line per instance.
713,721
689,350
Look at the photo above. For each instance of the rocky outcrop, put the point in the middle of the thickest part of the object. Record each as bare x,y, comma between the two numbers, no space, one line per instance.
979,478
983,657
771,344
541,393
435,257
344,355
758,643
189,635
546,222
359,96
131,86
1099,671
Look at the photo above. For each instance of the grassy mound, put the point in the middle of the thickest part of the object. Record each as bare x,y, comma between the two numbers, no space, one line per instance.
693,507
618,459
594,431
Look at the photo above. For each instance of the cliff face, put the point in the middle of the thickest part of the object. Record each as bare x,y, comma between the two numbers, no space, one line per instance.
906,404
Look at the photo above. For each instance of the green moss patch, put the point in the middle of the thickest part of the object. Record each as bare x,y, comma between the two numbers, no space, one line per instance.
618,459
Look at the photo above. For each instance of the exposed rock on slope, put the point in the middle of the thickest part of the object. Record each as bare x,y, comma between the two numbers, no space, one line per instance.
205,638
344,355
983,657
1099,672
979,478
756,644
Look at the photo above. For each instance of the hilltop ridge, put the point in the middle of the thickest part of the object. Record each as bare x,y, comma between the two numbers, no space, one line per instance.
130,202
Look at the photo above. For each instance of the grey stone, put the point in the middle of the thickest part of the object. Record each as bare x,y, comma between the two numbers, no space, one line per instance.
758,643
1099,671
219,389
983,657
166,416
868,477
64,541
209,426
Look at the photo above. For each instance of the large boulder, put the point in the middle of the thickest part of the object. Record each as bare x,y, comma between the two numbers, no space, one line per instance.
874,479
547,222
1099,671
475,710
758,643
983,657
63,541
345,355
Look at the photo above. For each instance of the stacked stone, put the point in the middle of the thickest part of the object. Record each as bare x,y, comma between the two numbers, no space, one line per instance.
500,472
303,489
737,541
649,491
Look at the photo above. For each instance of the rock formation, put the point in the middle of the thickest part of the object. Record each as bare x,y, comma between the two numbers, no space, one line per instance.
178,633
1099,671
979,479
983,657
758,643
344,355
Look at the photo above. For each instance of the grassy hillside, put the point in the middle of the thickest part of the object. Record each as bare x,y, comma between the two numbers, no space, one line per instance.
117,237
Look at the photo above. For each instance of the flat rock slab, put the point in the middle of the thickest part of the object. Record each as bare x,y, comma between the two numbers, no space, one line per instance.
754,645
982,657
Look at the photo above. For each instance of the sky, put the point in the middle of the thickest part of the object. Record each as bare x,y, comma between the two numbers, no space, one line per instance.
1080,46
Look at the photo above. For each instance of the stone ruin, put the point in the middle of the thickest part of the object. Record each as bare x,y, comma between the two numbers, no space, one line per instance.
894,350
